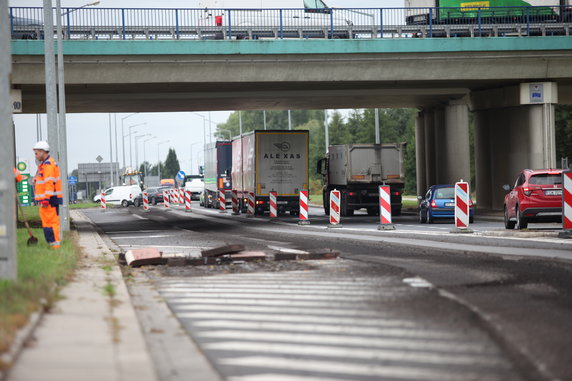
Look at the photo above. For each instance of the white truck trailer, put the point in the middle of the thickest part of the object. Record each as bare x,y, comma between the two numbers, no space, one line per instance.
271,160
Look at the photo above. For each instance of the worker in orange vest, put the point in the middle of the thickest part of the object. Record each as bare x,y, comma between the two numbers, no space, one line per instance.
48,193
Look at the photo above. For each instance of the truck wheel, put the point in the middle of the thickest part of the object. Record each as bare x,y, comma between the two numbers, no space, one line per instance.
326,200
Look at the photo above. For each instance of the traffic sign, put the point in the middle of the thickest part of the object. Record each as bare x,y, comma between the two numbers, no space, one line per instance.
21,166
181,175
72,180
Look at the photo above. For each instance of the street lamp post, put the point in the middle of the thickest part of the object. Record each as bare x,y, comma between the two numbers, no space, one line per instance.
123,134
192,157
130,149
158,159
145,166
137,150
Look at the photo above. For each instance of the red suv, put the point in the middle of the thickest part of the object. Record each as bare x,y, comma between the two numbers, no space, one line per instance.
535,197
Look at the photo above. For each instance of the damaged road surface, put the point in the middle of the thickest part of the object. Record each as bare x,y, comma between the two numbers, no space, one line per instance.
246,299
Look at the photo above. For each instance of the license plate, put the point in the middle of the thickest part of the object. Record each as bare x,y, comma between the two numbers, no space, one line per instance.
449,204
555,192
281,202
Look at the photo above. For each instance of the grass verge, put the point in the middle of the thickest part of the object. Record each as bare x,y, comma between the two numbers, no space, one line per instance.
41,273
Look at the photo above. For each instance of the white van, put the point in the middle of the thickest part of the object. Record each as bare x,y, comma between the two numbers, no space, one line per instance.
273,18
122,195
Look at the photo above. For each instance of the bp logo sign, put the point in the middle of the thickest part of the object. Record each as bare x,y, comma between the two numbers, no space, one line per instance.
284,146
21,166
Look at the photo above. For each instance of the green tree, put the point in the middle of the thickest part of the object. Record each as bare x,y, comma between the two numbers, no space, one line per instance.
171,165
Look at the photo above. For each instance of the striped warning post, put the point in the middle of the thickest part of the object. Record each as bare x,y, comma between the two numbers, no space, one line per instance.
166,199
234,199
303,208
222,201
273,209
567,200
103,202
335,198
145,201
385,208
251,201
462,205
187,201
181,196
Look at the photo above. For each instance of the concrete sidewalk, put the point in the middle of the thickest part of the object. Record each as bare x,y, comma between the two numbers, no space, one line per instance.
89,334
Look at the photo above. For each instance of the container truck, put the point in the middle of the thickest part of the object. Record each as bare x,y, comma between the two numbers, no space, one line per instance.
357,171
218,163
271,160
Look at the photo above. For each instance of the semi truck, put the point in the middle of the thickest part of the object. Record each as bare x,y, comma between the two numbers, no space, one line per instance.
466,11
271,160
357,171
218,163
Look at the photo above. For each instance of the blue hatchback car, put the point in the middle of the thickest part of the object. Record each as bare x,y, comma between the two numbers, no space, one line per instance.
439,202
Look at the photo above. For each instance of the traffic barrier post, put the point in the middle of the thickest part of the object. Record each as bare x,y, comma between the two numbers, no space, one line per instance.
251,201
462,208
103,202
181,196
145,201
187,201
335,198
303,208
566,205
273,209
166,197
235,206
222,201
385,222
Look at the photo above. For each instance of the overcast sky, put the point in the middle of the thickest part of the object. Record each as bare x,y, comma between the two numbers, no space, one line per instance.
88,134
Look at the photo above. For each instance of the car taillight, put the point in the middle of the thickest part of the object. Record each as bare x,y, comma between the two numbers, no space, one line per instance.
130,196
259,202
433,204
527,191
351,193
395,193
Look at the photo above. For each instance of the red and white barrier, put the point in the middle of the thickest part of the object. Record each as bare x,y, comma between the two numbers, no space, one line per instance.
187,201
166,199
462,205
335,202
181,196
103,202
222,201
567,200
145,201
251,201
273,209
385,208
235,206
304,208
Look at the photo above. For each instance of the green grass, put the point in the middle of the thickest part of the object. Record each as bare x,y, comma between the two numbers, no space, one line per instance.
41,273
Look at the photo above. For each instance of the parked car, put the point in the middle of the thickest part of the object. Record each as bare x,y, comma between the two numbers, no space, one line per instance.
123,195
535,197
154,195
439,202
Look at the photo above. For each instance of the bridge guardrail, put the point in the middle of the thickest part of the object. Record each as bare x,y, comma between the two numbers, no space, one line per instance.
327,23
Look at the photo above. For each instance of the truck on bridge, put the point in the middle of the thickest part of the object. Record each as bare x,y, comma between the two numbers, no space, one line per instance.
271,160
357,171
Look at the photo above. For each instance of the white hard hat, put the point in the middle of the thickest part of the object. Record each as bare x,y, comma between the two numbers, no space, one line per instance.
42,145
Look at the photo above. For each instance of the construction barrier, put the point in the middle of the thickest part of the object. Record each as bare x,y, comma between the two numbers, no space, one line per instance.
385,208
304,208
273,210
462,205
335,198
187,201
166,198
235,206
145,201
181,196
172,197
251,201
567,200
222,201
103,202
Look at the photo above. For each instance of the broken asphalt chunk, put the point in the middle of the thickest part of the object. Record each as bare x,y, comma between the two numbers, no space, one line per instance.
222,250
144,257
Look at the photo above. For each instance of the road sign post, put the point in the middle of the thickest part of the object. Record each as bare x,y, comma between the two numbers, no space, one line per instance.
335,198
462,208
272,202
385,208
566,205
304,208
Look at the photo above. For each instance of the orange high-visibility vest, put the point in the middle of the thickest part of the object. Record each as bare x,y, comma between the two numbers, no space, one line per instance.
48,185
18,175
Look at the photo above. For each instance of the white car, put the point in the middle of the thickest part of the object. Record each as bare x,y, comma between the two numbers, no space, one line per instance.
195,184
121,195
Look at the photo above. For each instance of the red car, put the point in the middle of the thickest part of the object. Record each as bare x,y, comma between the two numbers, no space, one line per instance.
535,197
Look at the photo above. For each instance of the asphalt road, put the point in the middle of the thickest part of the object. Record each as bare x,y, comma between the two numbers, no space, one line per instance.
418,303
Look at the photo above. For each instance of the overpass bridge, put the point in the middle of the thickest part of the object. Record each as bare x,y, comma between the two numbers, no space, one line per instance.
443,78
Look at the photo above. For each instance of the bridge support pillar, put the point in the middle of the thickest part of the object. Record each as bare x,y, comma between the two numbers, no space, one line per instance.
420,153
508,139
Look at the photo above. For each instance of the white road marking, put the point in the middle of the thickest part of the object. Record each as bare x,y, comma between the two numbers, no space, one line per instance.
334,313
272,302
338,367
257,296
144,236
282,377
140,217
255,286
323,328
351,341
176,291
442,359
418,282
169,246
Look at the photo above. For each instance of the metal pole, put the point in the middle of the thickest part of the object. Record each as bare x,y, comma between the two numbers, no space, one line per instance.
50,73
8,259
110,152
63,149
210,131
116,152
145,166
289,120
326,132
264,114
377,132
123,135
